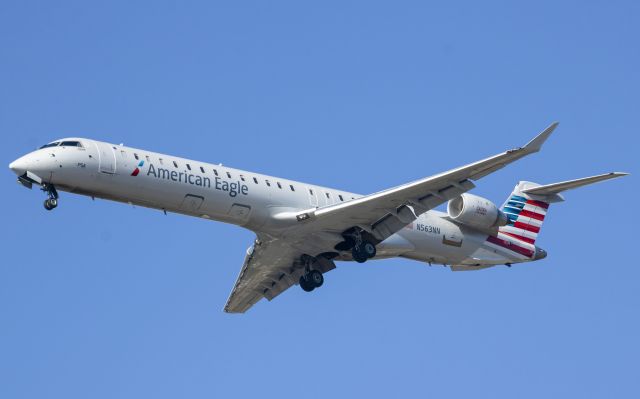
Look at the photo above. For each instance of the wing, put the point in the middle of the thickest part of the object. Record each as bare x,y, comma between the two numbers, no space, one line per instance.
274,264
386,212
270,267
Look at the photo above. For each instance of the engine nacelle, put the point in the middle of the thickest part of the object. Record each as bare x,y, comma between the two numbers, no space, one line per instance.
476,212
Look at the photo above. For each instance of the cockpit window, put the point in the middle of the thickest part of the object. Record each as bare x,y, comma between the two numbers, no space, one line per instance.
54,144
70,144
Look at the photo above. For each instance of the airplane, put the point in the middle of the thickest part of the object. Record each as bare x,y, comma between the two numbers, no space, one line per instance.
303,229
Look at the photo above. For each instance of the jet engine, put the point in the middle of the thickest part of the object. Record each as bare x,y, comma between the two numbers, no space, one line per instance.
475,211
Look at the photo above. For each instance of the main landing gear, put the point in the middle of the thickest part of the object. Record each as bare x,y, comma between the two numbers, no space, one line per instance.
52,201
311,279
363,249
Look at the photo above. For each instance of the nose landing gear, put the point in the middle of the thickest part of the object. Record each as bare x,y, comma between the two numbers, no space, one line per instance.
52,201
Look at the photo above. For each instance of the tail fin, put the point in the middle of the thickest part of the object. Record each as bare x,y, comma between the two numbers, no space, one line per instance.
525,214
527,207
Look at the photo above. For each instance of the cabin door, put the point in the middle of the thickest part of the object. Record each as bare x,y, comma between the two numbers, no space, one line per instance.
107,158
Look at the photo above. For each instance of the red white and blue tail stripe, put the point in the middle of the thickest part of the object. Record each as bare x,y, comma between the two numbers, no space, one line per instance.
525,217
526,209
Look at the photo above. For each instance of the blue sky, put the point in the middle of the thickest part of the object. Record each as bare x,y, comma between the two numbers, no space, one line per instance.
102,300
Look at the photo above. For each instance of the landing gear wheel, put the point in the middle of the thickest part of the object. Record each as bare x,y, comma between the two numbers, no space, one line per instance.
315,278
306,285
363,251
52,201
358,256
368,249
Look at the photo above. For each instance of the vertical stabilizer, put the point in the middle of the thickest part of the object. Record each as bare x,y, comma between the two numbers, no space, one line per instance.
525,213
527,206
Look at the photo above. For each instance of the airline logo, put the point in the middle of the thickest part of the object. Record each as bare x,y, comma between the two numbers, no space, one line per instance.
137,169
233,189
525,220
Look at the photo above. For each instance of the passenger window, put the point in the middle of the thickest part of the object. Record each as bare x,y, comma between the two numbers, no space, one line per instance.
291,186
242,177
267,182
201,169
327,194
215,172
255,180
311,191
175,164
340,196
279,185
229,175
136,156
160,160
188,166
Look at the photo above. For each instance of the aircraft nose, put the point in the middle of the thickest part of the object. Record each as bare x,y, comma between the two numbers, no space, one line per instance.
19,166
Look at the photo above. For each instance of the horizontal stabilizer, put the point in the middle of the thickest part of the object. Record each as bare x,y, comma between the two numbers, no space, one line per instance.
555,188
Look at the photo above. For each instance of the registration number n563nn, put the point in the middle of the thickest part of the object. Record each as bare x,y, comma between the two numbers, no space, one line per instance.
427,228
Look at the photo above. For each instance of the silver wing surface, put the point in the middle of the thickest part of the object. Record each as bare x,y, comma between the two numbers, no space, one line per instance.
386,212
270,267
273,264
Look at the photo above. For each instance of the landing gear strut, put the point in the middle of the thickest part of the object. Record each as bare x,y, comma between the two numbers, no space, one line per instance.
52,201
311,279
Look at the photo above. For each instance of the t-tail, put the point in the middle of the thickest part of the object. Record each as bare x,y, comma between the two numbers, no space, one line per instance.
525,215
527,208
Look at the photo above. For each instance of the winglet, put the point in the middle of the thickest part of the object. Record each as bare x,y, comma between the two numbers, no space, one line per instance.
535,144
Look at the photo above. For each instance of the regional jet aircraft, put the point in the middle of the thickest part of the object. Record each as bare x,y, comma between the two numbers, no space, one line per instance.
302,229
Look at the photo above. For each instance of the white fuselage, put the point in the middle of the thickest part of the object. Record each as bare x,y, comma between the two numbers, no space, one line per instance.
251,200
